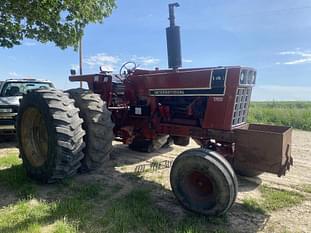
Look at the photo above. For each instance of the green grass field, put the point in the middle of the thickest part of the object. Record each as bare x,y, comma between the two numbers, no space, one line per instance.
295,114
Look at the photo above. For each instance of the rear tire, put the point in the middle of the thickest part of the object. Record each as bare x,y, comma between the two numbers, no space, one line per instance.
50,135
97,125
204,182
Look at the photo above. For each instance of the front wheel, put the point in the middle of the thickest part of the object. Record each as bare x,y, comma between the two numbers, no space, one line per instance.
203,182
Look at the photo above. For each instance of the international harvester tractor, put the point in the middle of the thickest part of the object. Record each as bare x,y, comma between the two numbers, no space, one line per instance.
62,133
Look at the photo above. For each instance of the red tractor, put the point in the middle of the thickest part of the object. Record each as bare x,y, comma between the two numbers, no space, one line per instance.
60,133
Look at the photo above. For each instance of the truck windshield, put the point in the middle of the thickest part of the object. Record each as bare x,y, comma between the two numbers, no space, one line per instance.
21,88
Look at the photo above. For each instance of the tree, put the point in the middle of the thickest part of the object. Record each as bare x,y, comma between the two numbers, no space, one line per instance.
58,21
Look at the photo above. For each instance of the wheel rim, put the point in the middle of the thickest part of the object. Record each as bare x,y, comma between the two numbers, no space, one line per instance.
198,189
34,137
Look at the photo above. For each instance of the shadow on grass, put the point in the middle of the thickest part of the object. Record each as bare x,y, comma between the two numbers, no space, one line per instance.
14,179
109,201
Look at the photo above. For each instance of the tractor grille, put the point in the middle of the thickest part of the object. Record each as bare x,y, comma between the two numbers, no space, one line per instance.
241,105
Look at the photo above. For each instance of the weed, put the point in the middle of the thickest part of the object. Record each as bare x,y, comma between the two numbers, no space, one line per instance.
9,160
64,227
274,199
24,216
306,188
252,205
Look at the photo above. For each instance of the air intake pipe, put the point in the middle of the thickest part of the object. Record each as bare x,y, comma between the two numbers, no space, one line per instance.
173,40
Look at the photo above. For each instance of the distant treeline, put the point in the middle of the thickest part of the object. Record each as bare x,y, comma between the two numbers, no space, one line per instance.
292,113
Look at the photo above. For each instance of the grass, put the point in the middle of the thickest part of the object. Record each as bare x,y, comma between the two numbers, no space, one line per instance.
32,213
295,114
74,207
275,199
14,176
62,226
135,212
9,160
306,188
272,199
252,205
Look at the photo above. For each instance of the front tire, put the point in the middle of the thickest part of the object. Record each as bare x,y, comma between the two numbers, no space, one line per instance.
203,182
50,135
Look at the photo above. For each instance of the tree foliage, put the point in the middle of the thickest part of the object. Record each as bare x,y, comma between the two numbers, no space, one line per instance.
58,21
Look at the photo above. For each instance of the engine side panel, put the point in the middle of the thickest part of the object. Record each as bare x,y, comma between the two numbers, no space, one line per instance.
202,98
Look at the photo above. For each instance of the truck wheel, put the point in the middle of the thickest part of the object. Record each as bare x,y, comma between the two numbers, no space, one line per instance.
148,146
203,182
50,135
97,125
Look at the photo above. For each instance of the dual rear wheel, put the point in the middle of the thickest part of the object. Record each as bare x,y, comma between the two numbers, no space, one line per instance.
61,133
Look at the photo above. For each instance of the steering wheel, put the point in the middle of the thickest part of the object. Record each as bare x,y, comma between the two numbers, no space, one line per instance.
127,68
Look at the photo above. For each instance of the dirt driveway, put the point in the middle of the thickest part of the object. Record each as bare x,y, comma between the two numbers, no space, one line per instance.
124,163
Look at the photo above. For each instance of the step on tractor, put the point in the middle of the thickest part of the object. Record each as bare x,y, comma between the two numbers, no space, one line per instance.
61,133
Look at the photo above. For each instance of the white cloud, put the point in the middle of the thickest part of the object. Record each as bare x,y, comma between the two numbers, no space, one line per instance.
299,57
281,93
75,67
299,61
112,63
102,59
13,74
145,60
187,60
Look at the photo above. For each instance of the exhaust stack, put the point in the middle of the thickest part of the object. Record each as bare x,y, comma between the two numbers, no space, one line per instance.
173,40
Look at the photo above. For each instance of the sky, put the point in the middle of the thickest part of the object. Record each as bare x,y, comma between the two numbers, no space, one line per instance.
273,36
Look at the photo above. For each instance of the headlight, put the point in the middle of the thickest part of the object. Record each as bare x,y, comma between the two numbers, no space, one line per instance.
6,110
254,78
247,77
251,77
243,77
